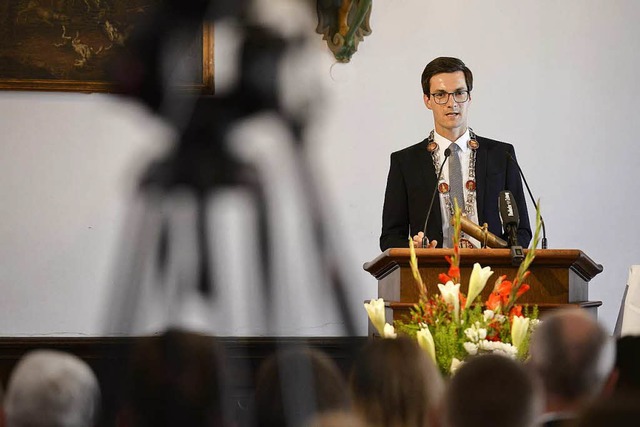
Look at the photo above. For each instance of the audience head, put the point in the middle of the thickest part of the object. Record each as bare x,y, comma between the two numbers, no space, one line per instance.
51,388
627,358
337,419
573,356
395,383
492,391
618,411
174,380
295,385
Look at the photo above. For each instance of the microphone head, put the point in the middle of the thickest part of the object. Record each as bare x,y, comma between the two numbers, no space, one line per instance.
508,209
447,152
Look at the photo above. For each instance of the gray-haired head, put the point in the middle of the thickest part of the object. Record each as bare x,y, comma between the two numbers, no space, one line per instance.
572,354
51,389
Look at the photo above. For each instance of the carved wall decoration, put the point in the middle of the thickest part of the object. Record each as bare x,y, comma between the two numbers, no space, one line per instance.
343,24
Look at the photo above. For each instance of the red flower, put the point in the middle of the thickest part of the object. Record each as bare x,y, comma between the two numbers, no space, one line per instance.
515,311
504,289
454,271
494,301
444,278
498,282
524,288
463,299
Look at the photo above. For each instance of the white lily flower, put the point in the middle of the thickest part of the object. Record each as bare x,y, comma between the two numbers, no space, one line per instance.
450,293
425,341
455,364
477,282
501,318
389,331
519,328
498,347
482,333
375,310
471,348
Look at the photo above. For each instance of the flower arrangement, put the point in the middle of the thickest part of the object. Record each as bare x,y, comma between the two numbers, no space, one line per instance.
452,326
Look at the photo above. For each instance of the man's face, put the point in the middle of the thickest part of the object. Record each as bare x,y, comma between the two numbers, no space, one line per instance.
450,118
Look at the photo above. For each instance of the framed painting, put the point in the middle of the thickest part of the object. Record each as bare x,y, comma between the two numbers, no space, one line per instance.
66,45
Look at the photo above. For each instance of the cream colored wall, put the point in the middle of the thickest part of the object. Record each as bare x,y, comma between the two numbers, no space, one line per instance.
556,79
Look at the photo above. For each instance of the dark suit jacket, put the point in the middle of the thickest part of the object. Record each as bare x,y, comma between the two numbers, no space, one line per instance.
412,180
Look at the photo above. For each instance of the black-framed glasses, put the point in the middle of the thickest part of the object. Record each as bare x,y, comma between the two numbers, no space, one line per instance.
442,98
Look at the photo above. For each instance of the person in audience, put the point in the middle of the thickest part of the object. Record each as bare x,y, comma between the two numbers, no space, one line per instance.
492,391
337,419
621,410
296,385
2,414
51,389
174,380
627,358
574,358
394,383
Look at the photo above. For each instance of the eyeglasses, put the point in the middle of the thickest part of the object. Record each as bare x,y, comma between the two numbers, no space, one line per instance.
442,98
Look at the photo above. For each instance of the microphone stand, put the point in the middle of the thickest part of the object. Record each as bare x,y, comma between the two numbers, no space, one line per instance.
425,239
544,230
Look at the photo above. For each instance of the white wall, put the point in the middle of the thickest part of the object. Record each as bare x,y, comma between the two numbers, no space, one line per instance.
556,79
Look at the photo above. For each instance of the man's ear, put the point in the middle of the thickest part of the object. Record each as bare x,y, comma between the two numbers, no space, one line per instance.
427,101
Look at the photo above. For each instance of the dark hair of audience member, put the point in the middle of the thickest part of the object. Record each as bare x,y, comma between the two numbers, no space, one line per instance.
174,380
395,383
337,419
295,385
621,410
491,391
628,364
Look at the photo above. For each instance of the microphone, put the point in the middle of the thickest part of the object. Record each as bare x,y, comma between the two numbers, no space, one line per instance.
425,239
510,219
481,234
535,205
509,216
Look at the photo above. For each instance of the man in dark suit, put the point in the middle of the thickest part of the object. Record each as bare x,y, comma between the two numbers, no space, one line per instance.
477,171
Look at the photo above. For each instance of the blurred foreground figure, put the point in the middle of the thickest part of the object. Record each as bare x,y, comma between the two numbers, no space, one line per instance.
184,243
296,385
491,391
337,419
395,383
574,357
174,380
618,411
627,357
52,389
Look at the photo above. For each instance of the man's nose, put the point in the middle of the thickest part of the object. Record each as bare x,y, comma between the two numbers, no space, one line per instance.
450,101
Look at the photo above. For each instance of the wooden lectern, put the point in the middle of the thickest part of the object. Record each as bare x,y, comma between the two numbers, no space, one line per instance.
558,276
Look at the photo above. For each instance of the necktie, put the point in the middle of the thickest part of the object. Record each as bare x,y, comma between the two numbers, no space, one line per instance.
456,191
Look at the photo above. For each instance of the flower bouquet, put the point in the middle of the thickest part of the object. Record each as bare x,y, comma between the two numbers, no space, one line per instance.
452,326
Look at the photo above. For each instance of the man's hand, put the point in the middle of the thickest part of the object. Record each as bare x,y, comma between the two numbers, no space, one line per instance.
417,241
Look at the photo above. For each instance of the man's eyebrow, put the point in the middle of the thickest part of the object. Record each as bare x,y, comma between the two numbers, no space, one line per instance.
455,90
